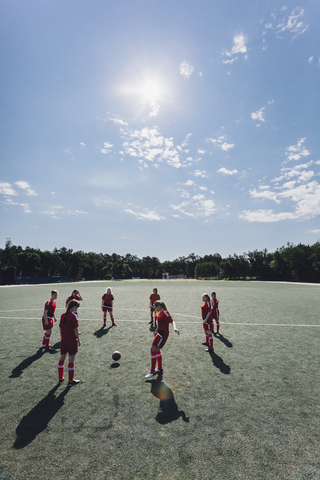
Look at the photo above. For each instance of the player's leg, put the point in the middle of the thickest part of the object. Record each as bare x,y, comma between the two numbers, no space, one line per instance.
61,367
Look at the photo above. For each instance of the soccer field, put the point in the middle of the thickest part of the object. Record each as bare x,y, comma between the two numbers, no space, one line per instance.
250,410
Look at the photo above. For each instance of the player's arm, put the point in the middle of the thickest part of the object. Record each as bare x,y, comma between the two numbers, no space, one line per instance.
77,334
45,316
175,327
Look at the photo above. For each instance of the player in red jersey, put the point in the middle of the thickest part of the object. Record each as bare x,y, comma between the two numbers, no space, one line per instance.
75,295
107,305
47,320
153,298
160,337
215,310
207,321
70,341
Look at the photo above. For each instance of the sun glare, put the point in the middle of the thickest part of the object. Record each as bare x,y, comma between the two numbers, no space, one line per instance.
150,91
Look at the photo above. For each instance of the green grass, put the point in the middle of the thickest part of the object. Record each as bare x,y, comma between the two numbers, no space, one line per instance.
249,411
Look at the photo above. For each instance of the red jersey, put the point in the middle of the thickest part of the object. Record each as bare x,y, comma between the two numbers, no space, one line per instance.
205,309
154,297
107,300
215,309
67,329
50,306
72,298
164,318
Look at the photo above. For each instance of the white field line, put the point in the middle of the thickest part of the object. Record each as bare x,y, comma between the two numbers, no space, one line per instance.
199,322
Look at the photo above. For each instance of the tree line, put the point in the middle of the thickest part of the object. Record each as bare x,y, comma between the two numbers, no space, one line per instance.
292,263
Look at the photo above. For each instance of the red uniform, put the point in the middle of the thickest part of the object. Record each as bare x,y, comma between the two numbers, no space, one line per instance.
205,309
215,309
77,297
69,342
50,307
153,298
107,302
164,318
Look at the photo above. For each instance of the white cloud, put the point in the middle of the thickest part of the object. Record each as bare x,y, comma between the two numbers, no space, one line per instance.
150,215
224,171
83,144
239,46
221,143
155,109
293,23
258,115
25,186
5,189
200,173
118,121
295,152
186,69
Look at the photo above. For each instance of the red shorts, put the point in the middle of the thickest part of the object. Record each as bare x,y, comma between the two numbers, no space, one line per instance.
207,326
49,325
160,340
152,309
68,347
107,309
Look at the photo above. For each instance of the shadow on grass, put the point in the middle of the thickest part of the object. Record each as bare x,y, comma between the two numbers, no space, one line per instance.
219,363
169,409
115,365
223,340
17,371
102,331
38,418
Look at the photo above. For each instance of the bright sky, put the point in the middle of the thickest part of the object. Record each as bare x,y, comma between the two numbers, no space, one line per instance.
160,128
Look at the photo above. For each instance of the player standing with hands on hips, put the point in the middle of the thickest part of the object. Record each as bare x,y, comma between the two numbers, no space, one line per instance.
47,320
70,341
160,337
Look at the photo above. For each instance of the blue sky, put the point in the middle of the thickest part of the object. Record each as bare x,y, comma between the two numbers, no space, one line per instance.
159,128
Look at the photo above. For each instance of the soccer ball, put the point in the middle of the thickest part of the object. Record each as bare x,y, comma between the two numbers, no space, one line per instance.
116,355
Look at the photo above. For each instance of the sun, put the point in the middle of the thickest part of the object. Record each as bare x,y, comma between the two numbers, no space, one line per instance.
150,91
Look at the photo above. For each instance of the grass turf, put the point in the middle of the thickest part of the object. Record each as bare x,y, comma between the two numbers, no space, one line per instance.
249,410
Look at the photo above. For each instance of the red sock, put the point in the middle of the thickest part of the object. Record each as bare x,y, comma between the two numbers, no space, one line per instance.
210,340
207,338
60,369
44,339
153,361
47,339
112,318
104,319
71,371
159,359
218,325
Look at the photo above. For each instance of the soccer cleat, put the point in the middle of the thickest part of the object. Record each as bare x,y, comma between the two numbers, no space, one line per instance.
42,346
60,381
150,322
209,349
205,343
73,383
150,374
159,370
49,349
114,325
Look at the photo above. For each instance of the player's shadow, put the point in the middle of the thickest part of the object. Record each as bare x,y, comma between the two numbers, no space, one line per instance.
219,363
17,371
223,340
102,331
169,410
38,418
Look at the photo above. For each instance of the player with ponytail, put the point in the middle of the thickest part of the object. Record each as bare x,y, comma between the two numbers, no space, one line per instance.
160,337
70,341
